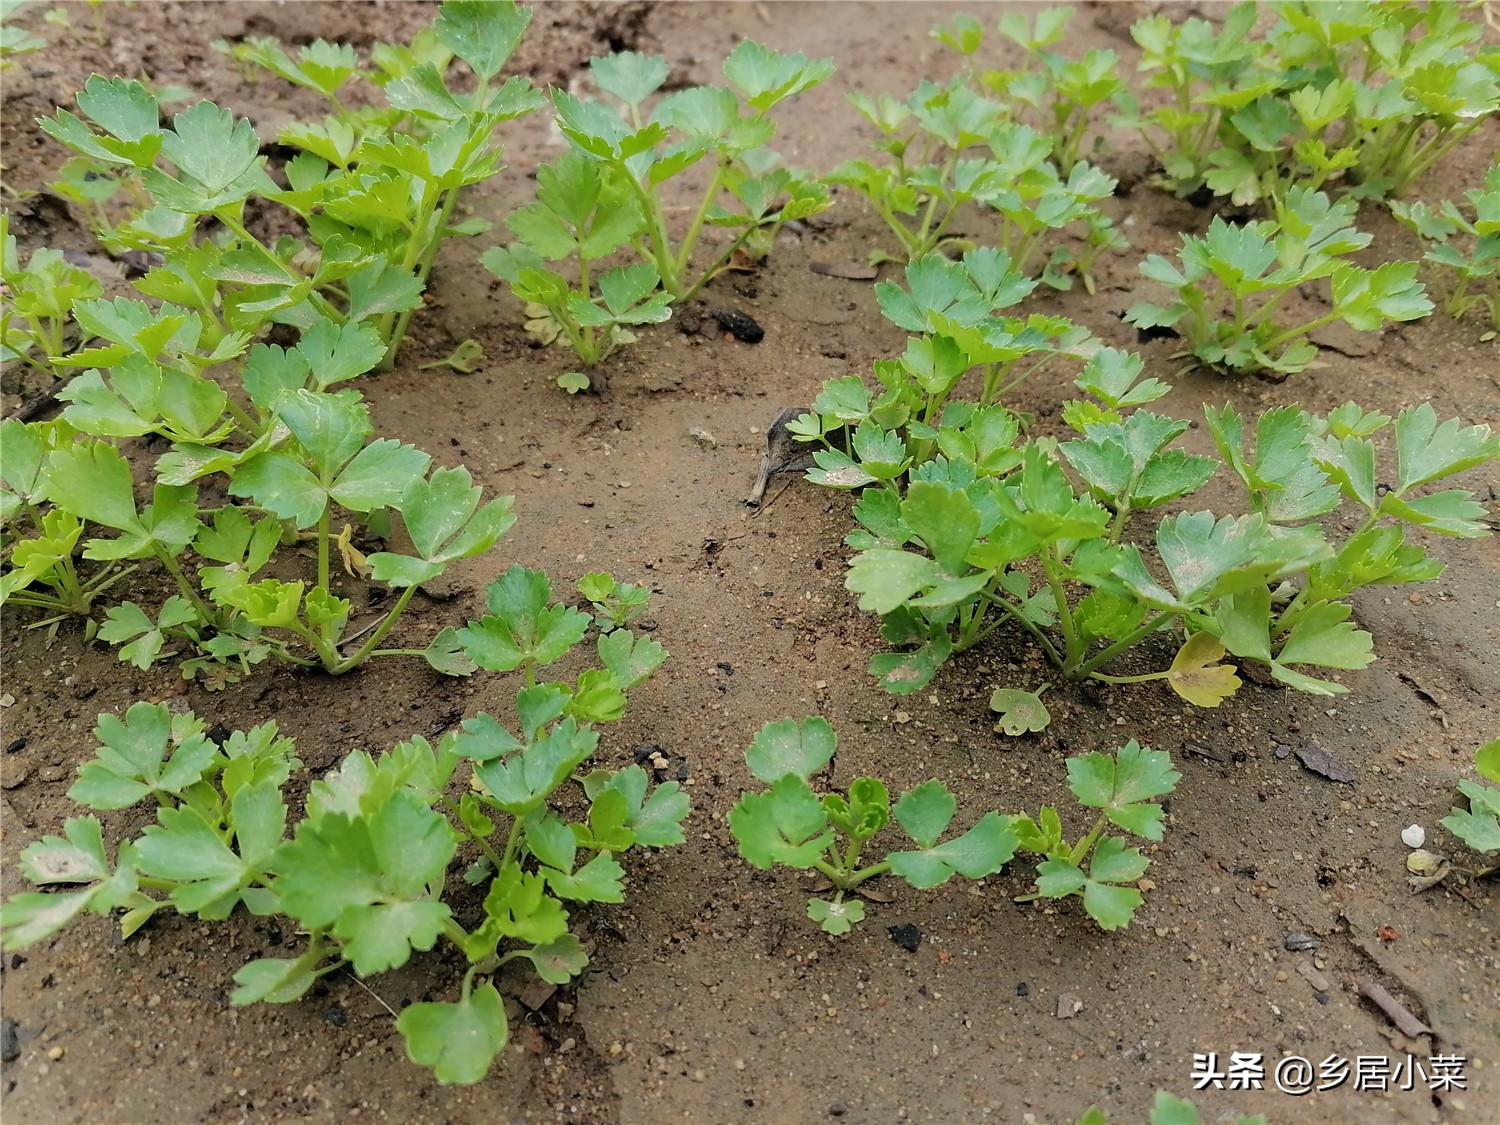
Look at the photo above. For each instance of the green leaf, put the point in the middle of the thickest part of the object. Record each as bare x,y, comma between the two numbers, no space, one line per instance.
786,825
657,821
766,77
79,858
272,980
337,866
1120,783
92,480
1020,711
886,579
902,673
484,33
558,961
522,627
1366,299
132,760
1427,451
379,475
458,1041
836,917
944,519
629,658
1487,760
799,747
629,75
521,782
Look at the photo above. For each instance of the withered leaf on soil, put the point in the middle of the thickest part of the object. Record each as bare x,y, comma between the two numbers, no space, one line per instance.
1320,761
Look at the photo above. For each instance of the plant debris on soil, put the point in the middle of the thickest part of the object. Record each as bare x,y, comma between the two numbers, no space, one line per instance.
710,997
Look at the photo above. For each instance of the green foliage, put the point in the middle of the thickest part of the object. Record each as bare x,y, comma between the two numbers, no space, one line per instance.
39,303
1251,269
1467,249
1060,94
583,212
374,189
1375,95
949,146
971,528
788,824
637,151
363,874
1099,867
1167,1109
912,418
1479,826
14,40
616,603
309,454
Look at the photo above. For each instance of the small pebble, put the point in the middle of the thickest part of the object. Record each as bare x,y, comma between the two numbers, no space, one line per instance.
1299,943
1414,836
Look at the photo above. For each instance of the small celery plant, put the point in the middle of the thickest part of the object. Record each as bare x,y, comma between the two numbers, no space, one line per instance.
1470,278
1479,826
1168,1109
728,126
988,531
1099,868
912,416
39,306
1252,268
363,872
932,172
581,213
788,824
1063,93
375,189
1375,97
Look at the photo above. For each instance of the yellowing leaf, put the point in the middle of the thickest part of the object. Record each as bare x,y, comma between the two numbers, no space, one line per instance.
1197,675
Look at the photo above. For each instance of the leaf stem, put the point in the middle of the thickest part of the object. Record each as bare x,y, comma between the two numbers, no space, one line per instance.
344,665
1151,625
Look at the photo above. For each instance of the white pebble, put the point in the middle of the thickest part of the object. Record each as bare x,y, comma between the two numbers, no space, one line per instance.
1414,836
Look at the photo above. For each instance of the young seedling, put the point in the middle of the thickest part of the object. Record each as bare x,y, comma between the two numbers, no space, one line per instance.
375,191
931,176
1099,868
1471,277
581,212
616,603
1063,93
788,824
1479,826
729,128
39,304
1251,269
364,872
1168,1109
1375,98
988,532
912,417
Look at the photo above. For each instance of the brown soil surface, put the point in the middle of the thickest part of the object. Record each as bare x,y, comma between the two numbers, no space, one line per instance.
711,998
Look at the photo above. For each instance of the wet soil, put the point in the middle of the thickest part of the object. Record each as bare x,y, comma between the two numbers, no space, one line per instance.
710,997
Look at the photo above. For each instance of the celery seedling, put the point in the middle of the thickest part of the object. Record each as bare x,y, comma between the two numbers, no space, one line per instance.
788,824
728,127
363,872
1100,868
1471,277
1254,267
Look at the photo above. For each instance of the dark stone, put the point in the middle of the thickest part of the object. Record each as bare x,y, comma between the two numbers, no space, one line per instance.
741,326
906,935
